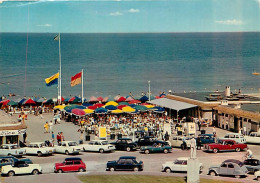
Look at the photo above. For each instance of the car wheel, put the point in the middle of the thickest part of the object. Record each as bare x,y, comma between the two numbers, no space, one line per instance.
11,173
165,151
238,149
112,169
136,169
237,176
67,152
60,171
215,150
258,178
182,147
212,173
167,170
35,172
101,150
39,153
9,154
81,170
146,151
128,149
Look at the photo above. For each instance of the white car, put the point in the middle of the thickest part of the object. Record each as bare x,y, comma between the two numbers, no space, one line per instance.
177,141
239,138
179,165
253,138
21,167
11,149
257,175
68,147
98,146
38,148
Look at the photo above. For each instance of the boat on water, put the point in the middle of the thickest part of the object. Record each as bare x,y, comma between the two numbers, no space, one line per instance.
214,97
256,73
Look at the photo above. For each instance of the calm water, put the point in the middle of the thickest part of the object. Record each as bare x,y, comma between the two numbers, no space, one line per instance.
120,63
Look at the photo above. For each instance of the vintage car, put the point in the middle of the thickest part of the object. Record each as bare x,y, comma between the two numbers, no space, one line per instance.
257,175
98,146
253,138
177,141
38,148
11,150
125,163
179,165
68,147
70,165
21,167
10,160
224,145
148,141
230,167
125,144
252,165
206,138
156,148
239,138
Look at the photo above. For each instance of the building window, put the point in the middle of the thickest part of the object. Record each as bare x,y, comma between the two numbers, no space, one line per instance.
12,139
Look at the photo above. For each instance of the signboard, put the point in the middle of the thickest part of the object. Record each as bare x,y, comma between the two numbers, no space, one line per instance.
12,132
102,132
191,128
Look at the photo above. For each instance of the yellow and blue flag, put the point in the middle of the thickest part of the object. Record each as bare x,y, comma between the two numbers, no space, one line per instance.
52,80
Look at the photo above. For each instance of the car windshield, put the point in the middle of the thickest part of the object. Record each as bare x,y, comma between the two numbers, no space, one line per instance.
42,145
129,141
72,144
14,147
105,143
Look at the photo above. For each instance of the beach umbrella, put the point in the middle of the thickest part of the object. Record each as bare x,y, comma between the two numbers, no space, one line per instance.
29,102
93,99
117,111
78,112
159,109
49,101
121,106
68,110
121,99
144,99
129,98
112,103
35,99
4,102
100,98
163,95
134,102
145,104
78,106
117,97
62,99
86,104
100,110
141,108
123,103
92,107
128,109
88,111
149,106
105,99
110,107
69,107
66,99
60,107
12,103
132,105
157,97
21,101
75,100
18,100
98,105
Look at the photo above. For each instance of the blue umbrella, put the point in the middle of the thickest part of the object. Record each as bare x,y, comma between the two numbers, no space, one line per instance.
79,106
158,109
100,110
86,104
132,105
111,107
21,102
144,99
68,110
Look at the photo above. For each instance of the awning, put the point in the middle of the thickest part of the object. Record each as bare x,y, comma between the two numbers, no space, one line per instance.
172,104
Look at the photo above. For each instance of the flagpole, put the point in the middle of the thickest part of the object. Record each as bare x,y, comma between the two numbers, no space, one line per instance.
59,98
82,98
58,87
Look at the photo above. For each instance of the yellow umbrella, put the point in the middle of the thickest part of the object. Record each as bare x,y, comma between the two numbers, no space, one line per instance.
149,106
117,111
88,111
59,106
111,103
128,109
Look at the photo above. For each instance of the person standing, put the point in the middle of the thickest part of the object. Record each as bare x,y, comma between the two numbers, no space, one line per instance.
193,148
40,112
46,127
24,137
214,131
51,126
199,124
52,139
58,138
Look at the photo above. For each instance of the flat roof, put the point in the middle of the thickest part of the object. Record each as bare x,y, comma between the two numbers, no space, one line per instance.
172,104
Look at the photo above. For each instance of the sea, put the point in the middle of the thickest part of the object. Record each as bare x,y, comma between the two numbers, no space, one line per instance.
119,63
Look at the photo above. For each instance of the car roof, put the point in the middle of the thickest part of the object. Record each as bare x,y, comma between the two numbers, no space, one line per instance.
98,140
233,161
71,159
10,144
183,158
227,140
37,143
233,133
127,157
8,157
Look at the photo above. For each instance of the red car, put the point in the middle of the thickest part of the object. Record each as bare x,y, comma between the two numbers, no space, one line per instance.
70,165
224,145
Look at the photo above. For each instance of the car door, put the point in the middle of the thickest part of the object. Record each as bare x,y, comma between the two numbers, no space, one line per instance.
174,141
119,144
179,141
177,166
4,150
230,169
76,165
96,146
223,169
184,167
68,166
121,164
129,164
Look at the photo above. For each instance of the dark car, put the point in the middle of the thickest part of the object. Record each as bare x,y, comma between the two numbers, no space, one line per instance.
252,165
11,160
206,138
125,144
125,163
149,141
70,165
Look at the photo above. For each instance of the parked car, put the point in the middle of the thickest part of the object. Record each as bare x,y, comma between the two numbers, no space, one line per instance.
38,148
98,146
21,167
224,145
156,148
252,165
253,138
206,138
179,165
230,167
10,160
68,147
239,138
257,175
70,165
177,141
125,144
148,141
125,163
11,150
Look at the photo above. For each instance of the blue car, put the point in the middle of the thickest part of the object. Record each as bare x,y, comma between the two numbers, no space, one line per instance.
206,138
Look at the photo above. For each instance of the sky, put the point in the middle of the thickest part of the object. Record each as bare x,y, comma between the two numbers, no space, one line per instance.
129,16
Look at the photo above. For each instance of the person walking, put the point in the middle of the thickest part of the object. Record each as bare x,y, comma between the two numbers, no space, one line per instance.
24,137
46,127
52,139
51,126
58,138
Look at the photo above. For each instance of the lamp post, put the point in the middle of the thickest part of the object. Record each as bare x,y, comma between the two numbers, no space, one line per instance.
149,90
